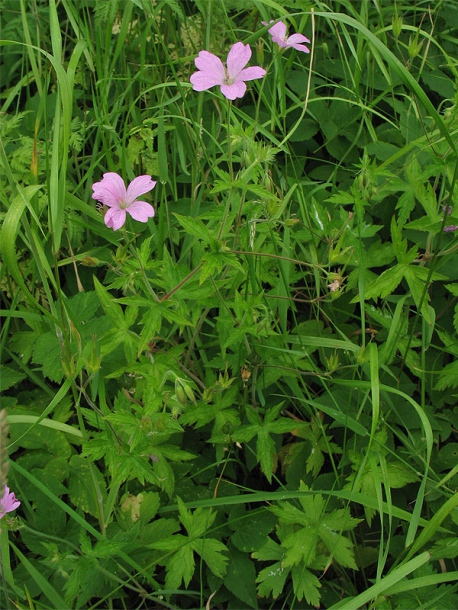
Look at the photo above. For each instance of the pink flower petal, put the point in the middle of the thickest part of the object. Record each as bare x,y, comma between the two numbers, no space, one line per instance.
234,91
140,210
296,39
296,42
237,59
251,73
8,502
115,218
201,81
139,186
111,190
278,31
210,64
299,47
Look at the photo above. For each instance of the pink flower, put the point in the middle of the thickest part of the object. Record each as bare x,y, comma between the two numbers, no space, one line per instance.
278,33
8,502
231,79
450,228
111,191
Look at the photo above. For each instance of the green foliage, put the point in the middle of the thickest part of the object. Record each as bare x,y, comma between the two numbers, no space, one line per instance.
250,399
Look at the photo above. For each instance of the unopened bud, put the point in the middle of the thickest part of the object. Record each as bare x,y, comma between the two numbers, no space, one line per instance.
397,25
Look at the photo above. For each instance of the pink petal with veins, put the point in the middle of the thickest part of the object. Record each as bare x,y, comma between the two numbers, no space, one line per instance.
140,210
237,59
251,73
110,191
139,186
234,91
115,218
207,62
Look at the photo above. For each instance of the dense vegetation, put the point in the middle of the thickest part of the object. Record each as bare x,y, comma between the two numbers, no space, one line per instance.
248,400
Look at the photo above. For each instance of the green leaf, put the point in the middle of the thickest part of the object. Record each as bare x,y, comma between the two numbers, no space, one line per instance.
86,486
9,377
386,283
339,547
265,450
47,352
448,377
240,578
306,585
112,309
301,547
180,567
272,580
211,551
195,227
251,533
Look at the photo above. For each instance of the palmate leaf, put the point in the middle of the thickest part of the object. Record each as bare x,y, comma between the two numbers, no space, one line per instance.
196,523
180,565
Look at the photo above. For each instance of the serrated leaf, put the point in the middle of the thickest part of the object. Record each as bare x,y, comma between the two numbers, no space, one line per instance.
85,483
448,377
47,352
385,284
194,226
272,580
9,377
339,547
180,567
265,450
112,309
301,547
83,306
211,551
399,476
306,585
251,534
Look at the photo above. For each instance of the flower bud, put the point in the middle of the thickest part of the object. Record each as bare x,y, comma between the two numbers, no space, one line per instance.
397,25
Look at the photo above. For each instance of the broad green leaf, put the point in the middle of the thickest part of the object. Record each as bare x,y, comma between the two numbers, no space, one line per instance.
240,578
251,534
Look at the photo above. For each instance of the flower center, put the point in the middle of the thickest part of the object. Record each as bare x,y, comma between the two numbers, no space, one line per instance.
228,80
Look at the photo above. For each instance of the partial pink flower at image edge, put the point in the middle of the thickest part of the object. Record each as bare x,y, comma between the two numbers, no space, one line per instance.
8,503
